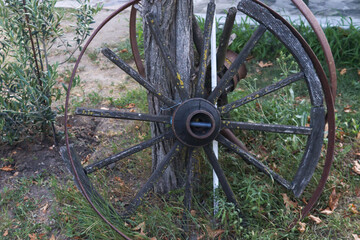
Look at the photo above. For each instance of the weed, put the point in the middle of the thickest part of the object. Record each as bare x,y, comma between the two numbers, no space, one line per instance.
94,55
95,98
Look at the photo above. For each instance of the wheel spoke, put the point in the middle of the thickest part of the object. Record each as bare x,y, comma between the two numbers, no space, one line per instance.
262,92
253,161
122,115
225,37
165,52
267,127
197,35
136,76
225,81
200,88
220,174
153,178
128,152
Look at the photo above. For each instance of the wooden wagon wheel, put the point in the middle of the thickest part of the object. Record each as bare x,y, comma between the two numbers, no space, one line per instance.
196,121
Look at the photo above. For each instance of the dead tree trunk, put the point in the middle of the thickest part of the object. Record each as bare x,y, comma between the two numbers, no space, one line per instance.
174,18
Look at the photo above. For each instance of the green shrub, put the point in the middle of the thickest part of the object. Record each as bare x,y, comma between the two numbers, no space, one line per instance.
27,79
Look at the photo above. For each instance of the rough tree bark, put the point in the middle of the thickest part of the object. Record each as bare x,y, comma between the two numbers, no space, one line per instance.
175,22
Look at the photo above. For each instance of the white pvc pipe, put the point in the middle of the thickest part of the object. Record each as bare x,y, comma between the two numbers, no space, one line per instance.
213,86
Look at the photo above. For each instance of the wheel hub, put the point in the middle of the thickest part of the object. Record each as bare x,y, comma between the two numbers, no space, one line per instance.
196,122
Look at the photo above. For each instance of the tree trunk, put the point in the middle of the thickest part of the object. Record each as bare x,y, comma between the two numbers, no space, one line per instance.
174,18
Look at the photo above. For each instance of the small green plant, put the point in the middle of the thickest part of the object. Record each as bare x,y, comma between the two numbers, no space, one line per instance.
230,218
95,98
29,30
94,55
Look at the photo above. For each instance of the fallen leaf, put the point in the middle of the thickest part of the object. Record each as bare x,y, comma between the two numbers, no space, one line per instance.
359,72
16,174
52,237
131,105
124,50
33,236
356,167
302,227
264,65
356,237
334,199
353,209
7,168
45,208
6,233
86,160
141,228
358,137
193,213
347,109
317,220
41,235
132,110
327,211
357,154
288,203
343,71
118,179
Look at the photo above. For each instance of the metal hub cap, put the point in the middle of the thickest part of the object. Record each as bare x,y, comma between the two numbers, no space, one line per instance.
196,122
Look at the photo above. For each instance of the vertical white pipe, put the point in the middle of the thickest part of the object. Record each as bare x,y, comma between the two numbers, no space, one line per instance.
213,86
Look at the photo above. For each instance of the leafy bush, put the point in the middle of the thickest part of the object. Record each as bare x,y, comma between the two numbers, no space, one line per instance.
29,29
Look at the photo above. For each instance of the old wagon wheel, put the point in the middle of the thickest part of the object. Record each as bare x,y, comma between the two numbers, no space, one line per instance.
197,120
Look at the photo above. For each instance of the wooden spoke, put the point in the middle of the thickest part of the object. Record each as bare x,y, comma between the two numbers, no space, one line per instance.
128,152
267,127
136,76
247,157
122,115
225,81
262,92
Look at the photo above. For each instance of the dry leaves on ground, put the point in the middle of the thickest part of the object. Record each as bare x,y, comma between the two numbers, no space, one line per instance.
302,227
353,208
348,109
317,220
33,236
334,199
288,203
7,168
327,211
211,234
141,227
6,233
45,208
264,65
343,71
356,167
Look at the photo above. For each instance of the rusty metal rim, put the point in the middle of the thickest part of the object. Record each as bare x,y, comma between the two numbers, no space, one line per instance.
122,8
330,118
133,42
304,9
